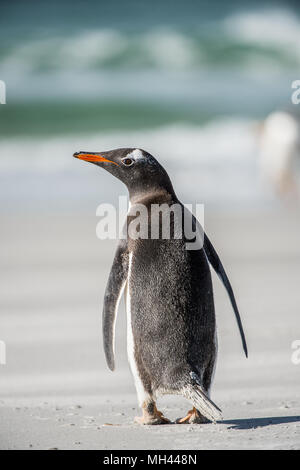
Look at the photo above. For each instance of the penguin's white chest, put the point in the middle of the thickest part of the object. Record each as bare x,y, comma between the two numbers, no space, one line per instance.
142,395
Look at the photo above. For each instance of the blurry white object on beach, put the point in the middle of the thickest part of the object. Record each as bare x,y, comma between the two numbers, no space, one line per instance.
280,153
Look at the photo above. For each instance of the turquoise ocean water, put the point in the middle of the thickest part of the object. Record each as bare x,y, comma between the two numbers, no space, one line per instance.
189,81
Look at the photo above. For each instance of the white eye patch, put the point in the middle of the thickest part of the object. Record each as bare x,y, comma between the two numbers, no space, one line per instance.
136,154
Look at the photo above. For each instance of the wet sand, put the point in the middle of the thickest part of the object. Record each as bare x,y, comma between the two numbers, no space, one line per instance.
56,391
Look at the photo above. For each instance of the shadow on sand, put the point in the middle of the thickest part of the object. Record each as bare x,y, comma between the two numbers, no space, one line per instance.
252,423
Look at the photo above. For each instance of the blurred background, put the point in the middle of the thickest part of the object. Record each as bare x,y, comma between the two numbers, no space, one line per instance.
206,88
181,79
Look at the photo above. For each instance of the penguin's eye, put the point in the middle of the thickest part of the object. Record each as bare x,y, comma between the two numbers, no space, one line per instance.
127,161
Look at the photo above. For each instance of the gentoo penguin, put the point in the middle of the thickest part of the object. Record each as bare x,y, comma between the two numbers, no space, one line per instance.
169,296
280,152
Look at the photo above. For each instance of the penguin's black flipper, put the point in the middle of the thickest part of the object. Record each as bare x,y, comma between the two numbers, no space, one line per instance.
215,261
113,293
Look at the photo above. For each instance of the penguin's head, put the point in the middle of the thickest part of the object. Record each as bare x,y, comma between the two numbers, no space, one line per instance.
136,168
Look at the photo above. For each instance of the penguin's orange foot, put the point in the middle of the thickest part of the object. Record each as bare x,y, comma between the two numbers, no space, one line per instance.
151,420
193,417
151,416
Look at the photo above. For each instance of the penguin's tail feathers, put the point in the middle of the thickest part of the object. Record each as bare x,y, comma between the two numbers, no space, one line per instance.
195,393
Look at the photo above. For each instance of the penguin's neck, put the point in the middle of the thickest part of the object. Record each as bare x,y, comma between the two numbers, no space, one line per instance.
156,186
153,196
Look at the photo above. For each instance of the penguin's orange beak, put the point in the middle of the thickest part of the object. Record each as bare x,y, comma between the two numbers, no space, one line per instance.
92,157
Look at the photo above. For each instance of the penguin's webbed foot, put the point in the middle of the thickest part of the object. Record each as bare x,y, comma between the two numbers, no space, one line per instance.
193,417
151,420
151,415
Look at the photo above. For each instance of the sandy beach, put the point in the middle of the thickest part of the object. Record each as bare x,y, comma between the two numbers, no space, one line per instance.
56,390
207,88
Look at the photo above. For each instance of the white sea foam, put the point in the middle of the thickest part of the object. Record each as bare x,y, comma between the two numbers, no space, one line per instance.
271,27
80,50
162,48
217,160
223,141
166,47
170,49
